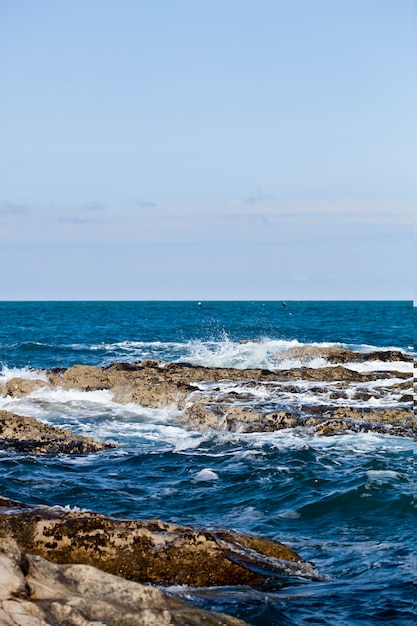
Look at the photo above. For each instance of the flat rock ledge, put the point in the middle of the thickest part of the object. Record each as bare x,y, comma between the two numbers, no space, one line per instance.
320,421
26,434
149,551
36,592
193,391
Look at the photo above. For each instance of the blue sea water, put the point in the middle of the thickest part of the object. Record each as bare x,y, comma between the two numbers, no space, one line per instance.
345,502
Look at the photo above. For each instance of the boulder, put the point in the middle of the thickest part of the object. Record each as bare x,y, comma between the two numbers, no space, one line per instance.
334,354
149,551
18,387
26,434
85,377
35,592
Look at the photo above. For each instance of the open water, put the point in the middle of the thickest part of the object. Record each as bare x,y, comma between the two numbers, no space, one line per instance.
344,502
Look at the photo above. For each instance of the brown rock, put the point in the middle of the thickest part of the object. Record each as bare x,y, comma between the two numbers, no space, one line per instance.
26,434
307,353
152,551
388,355
333,354
18,387
157,384
85,377
35,592
389,421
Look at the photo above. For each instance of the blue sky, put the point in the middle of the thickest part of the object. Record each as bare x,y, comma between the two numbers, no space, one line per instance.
222,149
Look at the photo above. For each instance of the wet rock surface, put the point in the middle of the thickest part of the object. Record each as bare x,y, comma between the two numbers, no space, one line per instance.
26,434
36,592
77,567
256,400
333,354
148,551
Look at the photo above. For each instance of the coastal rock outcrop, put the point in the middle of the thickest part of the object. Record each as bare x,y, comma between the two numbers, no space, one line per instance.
148,551
18,387
26,434
319,420
36,592
334,354
249,400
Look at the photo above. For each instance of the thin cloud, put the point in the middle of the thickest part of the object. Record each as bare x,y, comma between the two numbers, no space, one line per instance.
93,206
258,197
12,208
145,204
80,220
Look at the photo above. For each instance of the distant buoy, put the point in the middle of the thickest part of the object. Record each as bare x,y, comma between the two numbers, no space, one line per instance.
199,304
284,304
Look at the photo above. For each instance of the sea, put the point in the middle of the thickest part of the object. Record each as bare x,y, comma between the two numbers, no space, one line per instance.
344,502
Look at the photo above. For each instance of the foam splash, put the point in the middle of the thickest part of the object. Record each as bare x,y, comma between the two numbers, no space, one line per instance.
240,355
381,476
205,475
381,366
7,373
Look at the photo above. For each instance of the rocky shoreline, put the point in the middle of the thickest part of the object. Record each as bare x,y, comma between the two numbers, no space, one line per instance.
78,567
60,567
224,398
36,592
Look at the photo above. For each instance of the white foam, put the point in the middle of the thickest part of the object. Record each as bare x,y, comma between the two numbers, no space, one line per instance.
381,366
380,393
206,474
141,350
190,441
289,514
7,373
63,396
295,363
382,475
246,355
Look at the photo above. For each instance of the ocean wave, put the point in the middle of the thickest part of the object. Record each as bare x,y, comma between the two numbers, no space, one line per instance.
7,373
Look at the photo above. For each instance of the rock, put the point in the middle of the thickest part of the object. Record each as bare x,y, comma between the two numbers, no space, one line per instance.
329,374
387,355
307,353
389,421
204,405
202,417
18,387
26,434
85,377
333,354
150,551
334,427
35,592
405,421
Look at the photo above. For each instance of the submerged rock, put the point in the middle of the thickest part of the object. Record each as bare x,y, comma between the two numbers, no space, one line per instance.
35,592
26,434
149,551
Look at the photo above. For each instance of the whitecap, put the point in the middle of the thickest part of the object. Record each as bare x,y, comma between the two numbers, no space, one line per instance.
240,355
206,474
7,373
381,366
380,476
289,514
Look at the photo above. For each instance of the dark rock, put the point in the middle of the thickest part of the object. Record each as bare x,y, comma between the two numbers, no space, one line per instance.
35,592
151,551
26,434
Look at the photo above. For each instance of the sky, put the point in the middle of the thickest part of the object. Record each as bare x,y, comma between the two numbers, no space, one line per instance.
208,150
